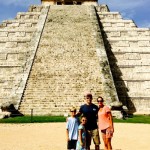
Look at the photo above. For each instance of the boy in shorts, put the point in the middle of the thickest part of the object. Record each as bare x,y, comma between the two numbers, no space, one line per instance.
72,129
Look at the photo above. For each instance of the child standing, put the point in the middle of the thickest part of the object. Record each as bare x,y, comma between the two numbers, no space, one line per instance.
72,129
81,143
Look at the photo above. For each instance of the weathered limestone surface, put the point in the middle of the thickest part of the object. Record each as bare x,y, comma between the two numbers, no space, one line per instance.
51,55
67,62
128,50
15,52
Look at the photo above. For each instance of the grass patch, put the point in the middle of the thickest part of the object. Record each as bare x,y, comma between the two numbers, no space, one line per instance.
135,119
34,119
43,119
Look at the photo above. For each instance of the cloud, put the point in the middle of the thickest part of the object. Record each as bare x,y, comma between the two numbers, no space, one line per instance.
19,2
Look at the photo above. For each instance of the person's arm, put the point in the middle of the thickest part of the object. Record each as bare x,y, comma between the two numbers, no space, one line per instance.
79,113
80,137
111,121
67,131
67,135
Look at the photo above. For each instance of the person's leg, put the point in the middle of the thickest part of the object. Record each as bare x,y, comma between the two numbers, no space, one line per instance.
104,139
69,145
109,146
109,135
88,139
96,139
74,143
97,147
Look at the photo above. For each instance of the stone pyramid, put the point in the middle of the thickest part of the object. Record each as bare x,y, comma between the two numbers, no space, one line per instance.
52,54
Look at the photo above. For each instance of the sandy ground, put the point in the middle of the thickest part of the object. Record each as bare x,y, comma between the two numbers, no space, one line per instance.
51,136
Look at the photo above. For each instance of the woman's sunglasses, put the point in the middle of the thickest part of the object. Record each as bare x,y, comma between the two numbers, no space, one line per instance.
100,101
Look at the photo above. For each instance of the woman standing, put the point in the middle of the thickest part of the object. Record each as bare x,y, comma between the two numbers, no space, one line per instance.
105,123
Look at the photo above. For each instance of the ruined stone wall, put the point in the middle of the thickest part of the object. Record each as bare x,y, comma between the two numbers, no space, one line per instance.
128,50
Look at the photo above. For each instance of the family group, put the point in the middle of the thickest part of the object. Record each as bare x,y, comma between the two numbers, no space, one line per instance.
93,120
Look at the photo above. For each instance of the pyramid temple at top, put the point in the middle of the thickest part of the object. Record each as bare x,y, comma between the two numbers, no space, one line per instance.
52,54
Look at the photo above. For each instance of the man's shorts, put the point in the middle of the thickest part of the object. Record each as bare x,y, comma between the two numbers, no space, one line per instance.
92,134
71,144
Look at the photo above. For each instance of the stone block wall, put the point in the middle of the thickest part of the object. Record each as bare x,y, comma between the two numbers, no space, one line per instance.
51,55
68,63
128,50
15,52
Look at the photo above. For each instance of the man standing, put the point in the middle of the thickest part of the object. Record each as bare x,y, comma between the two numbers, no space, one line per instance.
90,111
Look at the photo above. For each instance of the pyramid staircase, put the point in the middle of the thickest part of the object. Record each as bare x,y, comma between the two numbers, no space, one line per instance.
67,62
51,55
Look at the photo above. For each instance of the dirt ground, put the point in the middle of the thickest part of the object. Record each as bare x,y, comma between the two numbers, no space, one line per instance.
51,136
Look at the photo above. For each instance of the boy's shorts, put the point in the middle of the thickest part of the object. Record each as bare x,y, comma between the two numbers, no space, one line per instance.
71,144
92,134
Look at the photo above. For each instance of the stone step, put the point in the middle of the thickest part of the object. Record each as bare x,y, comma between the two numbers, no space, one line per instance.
129,41
16,34
138,39
17,39
20,29
120,50
11,79
102,8
127,33
133,63
51,104
12,64
35,8
28,15
141,30
109,15
13,57
120,23
19,23
16,45
130,59
117,21
19,49
136,77
120,28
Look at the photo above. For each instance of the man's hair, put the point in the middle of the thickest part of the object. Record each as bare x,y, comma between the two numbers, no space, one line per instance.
89,95
100,98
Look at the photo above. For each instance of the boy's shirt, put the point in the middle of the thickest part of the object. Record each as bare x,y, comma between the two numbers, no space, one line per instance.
72,126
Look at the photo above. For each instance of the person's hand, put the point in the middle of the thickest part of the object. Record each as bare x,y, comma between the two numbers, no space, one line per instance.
67,138
111,129
81,143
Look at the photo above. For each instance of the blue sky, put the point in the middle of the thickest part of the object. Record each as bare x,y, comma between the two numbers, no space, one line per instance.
137,10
